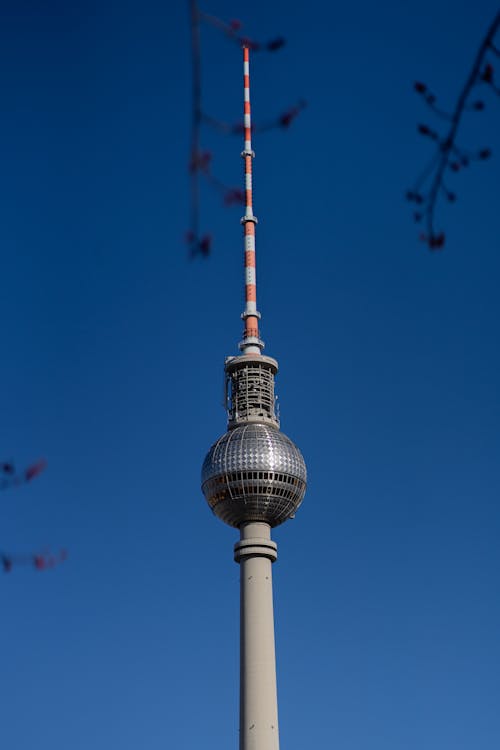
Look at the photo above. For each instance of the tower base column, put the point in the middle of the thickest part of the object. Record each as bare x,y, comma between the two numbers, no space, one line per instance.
255,552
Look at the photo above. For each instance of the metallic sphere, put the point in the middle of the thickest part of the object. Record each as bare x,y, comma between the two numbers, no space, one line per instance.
254,473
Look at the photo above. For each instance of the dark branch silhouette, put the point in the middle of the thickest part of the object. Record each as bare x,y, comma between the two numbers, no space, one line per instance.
200,160
40,561
448,156
11,477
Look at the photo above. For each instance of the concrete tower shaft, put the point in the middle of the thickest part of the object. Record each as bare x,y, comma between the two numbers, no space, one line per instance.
255,552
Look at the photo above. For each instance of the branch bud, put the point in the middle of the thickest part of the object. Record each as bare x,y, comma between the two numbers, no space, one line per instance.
487,74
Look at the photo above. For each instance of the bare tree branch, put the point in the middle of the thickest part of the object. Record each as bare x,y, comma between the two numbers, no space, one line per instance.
200,160
11,477
448,155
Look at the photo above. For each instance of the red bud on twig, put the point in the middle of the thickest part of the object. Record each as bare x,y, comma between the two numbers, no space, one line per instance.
234,195
39,562
276,44
35,469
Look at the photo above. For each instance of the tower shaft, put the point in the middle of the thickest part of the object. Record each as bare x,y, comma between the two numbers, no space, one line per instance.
255,552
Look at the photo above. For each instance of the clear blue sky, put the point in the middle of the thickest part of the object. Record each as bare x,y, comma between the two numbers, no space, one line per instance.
386,588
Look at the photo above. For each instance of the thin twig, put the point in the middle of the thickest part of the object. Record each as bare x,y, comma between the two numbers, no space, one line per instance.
199,159
447,145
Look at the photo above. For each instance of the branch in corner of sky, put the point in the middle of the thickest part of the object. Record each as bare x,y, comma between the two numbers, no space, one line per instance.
45,560
448,156
200,161
11,477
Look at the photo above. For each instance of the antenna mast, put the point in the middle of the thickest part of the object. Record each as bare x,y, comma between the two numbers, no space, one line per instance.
251,343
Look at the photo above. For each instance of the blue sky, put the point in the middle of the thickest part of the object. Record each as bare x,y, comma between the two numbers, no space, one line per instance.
386,587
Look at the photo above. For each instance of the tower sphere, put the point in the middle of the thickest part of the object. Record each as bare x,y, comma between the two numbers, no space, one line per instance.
254,473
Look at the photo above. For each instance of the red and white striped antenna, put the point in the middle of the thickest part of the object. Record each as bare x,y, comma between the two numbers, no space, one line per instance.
251,343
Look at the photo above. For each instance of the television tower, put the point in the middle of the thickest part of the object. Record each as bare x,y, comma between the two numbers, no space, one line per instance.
254,478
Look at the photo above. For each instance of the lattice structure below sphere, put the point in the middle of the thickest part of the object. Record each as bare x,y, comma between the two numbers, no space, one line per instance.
254,473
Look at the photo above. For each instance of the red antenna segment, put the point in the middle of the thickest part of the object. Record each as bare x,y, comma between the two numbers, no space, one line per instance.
251,343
